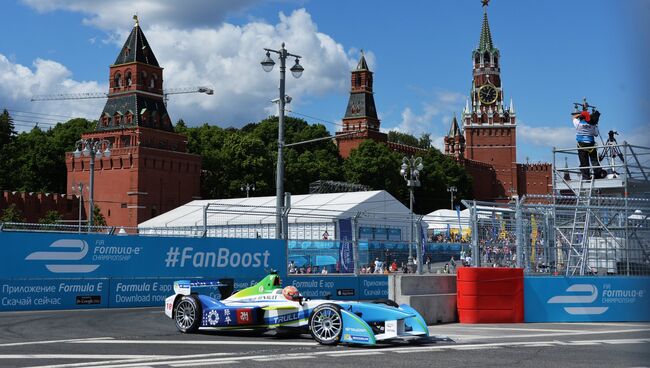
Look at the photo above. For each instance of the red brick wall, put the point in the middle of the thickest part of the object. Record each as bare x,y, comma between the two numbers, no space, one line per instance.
34,206
535,178
139,182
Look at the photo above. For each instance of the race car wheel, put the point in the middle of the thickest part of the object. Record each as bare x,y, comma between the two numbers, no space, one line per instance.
187,314
326,324
388,302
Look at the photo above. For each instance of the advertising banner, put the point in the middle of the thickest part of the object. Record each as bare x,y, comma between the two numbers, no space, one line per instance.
18,295
64,270
584,299
65,255
340,287
346,258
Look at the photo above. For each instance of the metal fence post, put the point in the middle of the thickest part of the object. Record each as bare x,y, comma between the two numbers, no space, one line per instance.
285,215
205,221
355,243
418,250
476,256
519,233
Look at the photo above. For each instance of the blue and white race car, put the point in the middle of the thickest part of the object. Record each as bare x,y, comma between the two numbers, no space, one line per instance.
267,305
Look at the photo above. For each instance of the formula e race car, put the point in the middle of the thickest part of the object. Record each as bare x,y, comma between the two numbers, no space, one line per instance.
267,305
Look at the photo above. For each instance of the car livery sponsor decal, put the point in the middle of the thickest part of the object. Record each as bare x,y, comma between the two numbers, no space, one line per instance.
244,316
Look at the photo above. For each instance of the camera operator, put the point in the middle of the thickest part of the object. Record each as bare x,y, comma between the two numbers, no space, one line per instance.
586,132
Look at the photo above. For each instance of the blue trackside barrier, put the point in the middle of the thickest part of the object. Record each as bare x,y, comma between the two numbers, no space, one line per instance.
68,270
586,299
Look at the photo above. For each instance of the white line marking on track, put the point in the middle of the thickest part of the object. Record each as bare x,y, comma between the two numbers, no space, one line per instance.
130,361
568,333
522,329
202,364
212,359
604,324
275,358
53,341
81,356
198,342
354,353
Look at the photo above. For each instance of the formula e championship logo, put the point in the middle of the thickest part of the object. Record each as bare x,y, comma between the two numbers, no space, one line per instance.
65,250
581,294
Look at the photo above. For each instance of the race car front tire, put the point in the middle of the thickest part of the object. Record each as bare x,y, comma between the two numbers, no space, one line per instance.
188,314
326,324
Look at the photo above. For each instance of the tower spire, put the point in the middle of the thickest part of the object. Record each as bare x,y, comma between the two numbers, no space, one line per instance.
485,42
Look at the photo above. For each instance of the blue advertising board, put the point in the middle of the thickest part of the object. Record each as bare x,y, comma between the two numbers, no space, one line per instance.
53,294
340,287
50,255
583,299
63,270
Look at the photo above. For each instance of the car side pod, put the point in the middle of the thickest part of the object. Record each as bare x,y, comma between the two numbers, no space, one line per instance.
355,330
417,323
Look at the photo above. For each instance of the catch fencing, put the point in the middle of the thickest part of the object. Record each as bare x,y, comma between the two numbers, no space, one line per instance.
557,235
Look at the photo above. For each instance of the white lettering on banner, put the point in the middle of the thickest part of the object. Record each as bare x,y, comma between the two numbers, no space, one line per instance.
223,258
76,288
113,252
579,299
621,296
11,289
140,287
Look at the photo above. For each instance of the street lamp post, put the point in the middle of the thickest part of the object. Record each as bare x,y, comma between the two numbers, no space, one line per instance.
452,189
247,187
410,170
93,149
296,71
80,188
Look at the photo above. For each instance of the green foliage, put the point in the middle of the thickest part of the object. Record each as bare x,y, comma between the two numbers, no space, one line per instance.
375,165
98,218
51,217
34,161
423,142
12,214
7,131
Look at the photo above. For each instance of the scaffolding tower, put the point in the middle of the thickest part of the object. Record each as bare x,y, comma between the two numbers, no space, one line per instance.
602,218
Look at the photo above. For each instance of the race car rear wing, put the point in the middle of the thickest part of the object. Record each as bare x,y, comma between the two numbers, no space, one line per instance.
184,287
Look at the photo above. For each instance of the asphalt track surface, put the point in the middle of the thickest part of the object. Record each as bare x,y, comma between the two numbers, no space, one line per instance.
144,337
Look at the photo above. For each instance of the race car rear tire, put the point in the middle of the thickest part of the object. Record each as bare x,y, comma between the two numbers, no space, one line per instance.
388,302
188,314
326,324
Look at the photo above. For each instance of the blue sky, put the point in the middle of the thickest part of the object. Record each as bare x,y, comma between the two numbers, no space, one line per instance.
553,53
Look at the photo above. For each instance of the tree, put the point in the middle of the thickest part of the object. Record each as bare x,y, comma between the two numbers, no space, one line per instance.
375,165
7,131
98,218
439,173
423,142
51,217
12,214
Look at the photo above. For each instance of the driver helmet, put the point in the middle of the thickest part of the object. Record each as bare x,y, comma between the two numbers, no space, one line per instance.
290,292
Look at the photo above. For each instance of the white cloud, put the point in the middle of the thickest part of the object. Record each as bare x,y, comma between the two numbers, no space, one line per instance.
226,58
18,83
434,113
116,14
559,137
434,117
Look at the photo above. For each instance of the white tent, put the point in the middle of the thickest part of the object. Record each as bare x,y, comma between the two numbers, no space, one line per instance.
441,219
311,216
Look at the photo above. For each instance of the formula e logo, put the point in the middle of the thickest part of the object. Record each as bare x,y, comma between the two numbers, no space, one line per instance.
80,248
583,298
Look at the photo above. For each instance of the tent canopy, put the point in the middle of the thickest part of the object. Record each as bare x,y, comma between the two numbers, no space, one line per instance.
305,208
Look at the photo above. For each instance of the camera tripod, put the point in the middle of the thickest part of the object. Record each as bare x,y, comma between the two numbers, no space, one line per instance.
611,151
